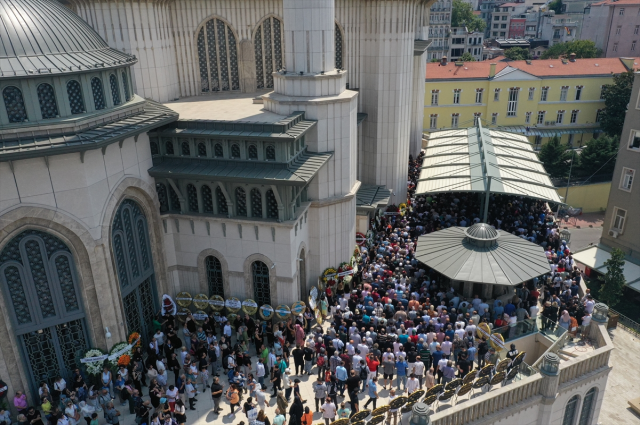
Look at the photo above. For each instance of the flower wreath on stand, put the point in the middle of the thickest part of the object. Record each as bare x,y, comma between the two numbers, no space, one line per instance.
135,340
124,356
94,368
343,268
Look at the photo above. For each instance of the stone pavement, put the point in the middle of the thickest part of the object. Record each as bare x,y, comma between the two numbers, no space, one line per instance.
594,219
624,380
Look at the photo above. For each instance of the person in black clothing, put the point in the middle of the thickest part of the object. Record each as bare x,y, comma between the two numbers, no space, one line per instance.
295,412
298,359
276,381
308,357
353,382
483,349
353,401
463,365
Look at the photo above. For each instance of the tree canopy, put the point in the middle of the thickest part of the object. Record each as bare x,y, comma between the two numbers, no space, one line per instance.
582,49
517,54
555,157
616,98
462,16
556,6
467,57
598,157
613,281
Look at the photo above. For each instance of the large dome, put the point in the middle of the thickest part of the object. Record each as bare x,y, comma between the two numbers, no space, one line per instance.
40,37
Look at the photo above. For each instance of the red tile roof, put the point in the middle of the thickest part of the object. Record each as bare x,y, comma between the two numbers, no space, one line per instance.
538,68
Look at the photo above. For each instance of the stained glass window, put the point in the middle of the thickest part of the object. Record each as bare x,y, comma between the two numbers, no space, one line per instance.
207,199
261,288
570,411
272,205
154,148
253,152
271,153
186,150
168,147
267,43
192,197
218,151
217,57
587,407
221,202
14,104
202,149
235,151
76,101
241,202
256,203
174,200
115,89
162,197
47,100
338,46
214,276
98,93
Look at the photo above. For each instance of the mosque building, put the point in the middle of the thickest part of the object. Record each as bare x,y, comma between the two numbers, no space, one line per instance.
226,147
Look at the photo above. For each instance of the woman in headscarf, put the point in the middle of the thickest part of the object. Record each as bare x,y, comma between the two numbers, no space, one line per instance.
299,335
295,412
565,320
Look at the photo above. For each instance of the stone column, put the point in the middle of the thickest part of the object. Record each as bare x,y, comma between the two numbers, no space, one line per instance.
417,101
549,386
467,292
487,291
309,27
247,66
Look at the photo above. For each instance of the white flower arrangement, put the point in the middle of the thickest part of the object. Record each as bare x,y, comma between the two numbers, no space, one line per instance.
94,368
118,348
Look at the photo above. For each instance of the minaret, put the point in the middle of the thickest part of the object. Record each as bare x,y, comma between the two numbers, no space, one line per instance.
312,84
309,27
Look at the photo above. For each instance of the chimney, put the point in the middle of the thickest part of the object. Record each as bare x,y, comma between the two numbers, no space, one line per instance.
572,57
443,61
628,63
492,70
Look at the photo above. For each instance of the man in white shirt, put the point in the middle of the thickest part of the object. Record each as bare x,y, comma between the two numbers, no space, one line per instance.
589,304
533,311
412,384
328,411
260,372
418,371
227,330
471,327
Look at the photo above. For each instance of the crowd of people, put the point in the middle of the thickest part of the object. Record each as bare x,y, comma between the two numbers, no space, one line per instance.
393,328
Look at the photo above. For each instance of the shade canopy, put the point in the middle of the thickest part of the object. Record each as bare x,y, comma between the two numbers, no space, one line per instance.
478,159
482,254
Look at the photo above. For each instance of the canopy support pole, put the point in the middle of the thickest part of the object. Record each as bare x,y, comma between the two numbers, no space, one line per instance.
486,200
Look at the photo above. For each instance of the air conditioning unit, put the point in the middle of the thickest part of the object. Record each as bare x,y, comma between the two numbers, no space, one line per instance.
613,233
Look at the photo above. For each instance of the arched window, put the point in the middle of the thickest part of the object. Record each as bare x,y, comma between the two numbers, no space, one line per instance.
218,151
214,276
192,198
186,150
174,200
14,104
235,151
587,407
154,148
338,47
115,90
271,153
221,202
256,203
134,266
241,202
202,149
125,85
252,152
161,189
168,147
267,44
570,411
261,288
272,205
218,64
98,93
207,200
47,100
76,101
41,287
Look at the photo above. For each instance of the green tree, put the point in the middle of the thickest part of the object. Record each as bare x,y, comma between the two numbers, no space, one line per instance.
613,281
462,16
517,54
467,57
616,98
555,157
435,60
597,156
582,49
556,5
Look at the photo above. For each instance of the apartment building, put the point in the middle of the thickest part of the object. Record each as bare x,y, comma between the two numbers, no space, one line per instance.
540,98
614,26
439,29
462,41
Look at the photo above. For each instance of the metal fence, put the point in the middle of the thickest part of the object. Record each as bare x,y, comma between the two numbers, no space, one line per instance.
626,323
